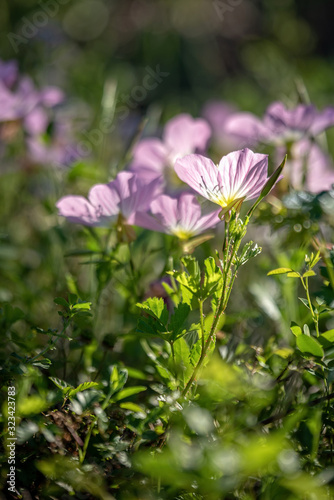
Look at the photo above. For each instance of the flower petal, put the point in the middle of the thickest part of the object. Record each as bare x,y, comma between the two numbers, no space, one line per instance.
184,134
201,174
77,209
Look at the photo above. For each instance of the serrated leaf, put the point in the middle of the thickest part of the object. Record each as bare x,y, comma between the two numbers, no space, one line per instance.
280,270
61,384
81,388
177,320
155,307
309,345
296,330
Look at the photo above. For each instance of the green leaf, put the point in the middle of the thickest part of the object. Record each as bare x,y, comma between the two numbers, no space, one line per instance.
155,307
129,391
296,330
212,279
280,270
268,186
293,274
82,387
61,302
306,330
309,345
182,360
327,339
177,320
309,273
132,406
61,384
304,301
83,305
329,335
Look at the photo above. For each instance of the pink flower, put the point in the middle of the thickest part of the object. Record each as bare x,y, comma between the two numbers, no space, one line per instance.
310,167
182,135
217,114
180,216
109,204
281,125
240,176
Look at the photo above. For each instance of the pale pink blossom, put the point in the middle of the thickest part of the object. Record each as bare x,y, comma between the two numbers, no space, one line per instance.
108,204
310,168
280,125
181,216
238,177
182,135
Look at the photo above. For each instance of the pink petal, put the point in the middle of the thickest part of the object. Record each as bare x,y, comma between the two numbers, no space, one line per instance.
243,173
77,209
189,211
184,134
105,199
149,157
51,96
247,128
165,209
37,121
323,120
146,221
199,173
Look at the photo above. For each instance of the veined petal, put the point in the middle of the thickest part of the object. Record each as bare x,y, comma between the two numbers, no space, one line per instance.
240,172
201,174
189,210
145,220
77,209
165,209
105,198
207,221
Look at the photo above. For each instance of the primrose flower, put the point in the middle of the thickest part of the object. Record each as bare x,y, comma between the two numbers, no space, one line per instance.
310,168
115,203
182,135
281,125
180,216
21,101
240,176
217,114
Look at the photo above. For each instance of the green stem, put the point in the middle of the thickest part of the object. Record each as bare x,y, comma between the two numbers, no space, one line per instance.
86,443
314,316
173,356
51,344
202,322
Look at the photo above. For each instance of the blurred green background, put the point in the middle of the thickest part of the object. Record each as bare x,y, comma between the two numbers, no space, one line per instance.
246,52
